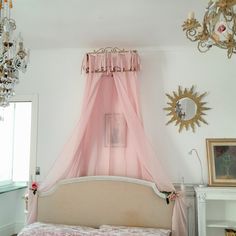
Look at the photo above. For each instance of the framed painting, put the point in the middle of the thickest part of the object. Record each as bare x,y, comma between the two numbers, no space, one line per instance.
115,130
221,156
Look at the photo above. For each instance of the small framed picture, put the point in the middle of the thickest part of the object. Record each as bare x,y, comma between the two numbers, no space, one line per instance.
221,156
115,130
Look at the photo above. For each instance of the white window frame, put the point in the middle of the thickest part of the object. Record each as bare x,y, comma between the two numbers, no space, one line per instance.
33,98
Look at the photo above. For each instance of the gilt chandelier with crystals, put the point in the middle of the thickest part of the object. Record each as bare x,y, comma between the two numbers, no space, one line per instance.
217,29
13,56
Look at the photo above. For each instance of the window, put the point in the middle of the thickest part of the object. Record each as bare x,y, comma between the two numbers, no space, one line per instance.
16,140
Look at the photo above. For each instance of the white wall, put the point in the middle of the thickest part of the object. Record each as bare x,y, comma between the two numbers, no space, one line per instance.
12,215
162,72
55,76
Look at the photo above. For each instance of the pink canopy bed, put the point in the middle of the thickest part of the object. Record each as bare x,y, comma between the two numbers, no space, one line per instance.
109,139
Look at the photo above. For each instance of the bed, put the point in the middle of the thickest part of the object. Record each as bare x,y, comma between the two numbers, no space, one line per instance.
102,205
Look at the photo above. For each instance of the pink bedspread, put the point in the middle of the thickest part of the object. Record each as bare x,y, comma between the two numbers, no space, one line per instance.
41,229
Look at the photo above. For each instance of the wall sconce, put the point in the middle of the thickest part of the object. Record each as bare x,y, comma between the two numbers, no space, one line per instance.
196,154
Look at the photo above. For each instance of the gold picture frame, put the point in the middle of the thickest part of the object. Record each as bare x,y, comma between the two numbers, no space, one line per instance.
221,158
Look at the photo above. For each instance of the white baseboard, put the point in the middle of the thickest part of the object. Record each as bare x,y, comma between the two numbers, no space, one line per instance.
7,230
10,229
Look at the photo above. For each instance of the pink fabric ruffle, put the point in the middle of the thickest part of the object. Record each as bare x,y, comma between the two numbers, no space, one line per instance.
111,62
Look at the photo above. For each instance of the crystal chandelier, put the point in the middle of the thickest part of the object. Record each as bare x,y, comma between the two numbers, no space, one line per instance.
218,27
13,56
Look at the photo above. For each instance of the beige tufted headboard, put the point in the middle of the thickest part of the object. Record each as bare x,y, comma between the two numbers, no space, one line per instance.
97,200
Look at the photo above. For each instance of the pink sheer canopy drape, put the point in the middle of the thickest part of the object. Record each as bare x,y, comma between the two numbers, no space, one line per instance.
109,139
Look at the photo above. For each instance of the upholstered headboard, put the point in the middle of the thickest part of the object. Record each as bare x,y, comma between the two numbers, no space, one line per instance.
97,200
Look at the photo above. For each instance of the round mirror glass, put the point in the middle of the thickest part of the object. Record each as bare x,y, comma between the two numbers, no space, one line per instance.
186,108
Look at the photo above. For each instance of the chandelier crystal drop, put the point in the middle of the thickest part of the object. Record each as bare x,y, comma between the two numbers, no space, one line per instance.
13,56
217,29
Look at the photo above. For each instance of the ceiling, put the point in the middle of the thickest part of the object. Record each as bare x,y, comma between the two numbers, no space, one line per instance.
99,23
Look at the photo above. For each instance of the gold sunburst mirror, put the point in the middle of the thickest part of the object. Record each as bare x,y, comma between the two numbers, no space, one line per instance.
186,108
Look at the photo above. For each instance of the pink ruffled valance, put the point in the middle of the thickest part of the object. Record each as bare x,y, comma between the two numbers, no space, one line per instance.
111,62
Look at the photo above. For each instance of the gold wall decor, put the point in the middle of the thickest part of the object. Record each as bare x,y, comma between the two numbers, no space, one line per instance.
218,28
186,109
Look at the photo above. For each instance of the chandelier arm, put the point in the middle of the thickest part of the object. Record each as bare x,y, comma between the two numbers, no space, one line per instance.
218,27
191,35
229,54
228,15
221,45
202,46
13,55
